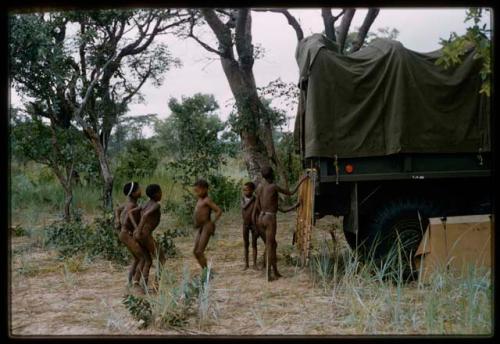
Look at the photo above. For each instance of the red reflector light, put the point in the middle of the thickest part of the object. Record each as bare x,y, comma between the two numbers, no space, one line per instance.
349,168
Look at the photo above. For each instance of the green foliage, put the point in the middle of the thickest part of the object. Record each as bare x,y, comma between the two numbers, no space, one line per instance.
190,136
166,242
244,118
33,139
136,160
224,191
477,36
68,238
182,211
97,239
171,305
139,308
383,32
290,160
127,129
19,231
104,241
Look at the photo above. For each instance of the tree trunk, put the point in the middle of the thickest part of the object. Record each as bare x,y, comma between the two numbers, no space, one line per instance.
107,176
256,152
68,200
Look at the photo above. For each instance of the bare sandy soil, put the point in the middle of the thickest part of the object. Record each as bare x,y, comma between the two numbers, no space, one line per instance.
80,297
46,300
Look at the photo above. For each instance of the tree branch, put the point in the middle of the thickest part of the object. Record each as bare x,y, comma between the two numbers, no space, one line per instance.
345,24
365,27
292,21
328,23
221,31
243,38
200,42
79,110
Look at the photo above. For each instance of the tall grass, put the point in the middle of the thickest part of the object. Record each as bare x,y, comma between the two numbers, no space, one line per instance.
373,298
173,300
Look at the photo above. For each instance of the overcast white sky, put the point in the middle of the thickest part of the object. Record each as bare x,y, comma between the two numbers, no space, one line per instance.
420,30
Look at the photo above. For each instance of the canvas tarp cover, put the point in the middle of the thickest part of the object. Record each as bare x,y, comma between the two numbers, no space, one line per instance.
386,99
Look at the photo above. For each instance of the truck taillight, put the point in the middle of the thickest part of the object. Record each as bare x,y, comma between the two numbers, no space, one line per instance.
349,168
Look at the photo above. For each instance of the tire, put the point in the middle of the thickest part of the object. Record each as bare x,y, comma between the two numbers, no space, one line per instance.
350,237
394,231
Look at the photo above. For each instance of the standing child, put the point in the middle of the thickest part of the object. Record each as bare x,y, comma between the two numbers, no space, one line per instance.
247,205
267,203
143,233
202,220
124,223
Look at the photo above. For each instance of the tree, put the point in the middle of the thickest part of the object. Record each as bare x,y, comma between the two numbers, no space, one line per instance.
90,77
190,136
136,160
478,36
232,30
127,129
47,144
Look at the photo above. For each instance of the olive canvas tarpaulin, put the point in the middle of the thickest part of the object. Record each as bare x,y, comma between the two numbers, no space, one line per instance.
386,99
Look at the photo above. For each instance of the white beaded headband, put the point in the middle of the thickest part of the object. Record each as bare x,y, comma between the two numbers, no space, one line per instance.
131,188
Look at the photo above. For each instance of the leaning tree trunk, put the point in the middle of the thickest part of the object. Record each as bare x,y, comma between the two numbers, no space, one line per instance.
242,84
107,176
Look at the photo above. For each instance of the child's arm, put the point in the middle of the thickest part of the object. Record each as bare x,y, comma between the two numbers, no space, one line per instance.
248,203
215,208
286,210
131,216
146,214
288,192
118,211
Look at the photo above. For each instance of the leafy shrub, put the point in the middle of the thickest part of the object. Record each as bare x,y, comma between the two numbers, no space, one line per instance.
137,160
173,302
166,242
69,238
182,211
105,243
224,191
19,231
139,308
97,239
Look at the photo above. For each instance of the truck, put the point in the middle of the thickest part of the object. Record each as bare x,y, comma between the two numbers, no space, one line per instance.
394,138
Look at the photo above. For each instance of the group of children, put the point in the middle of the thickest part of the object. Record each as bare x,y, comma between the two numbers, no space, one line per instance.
136,224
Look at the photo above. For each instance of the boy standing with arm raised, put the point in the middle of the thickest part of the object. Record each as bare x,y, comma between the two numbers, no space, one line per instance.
267,203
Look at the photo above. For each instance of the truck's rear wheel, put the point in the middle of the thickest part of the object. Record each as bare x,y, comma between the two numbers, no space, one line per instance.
394,232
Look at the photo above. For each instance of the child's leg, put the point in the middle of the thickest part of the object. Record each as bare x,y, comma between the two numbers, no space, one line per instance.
148,242
264,253
270,227
133,270
136,250
138,270
255,236
148,261
274,246
246,244
203,236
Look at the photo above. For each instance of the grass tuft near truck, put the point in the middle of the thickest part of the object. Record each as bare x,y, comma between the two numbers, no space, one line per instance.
395,139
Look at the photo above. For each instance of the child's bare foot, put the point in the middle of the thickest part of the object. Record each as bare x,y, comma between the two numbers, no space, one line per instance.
137,289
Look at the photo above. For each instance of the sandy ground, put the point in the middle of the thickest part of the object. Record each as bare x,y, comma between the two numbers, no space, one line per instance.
46,300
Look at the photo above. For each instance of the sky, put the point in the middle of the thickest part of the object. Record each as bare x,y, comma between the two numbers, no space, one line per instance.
419,30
